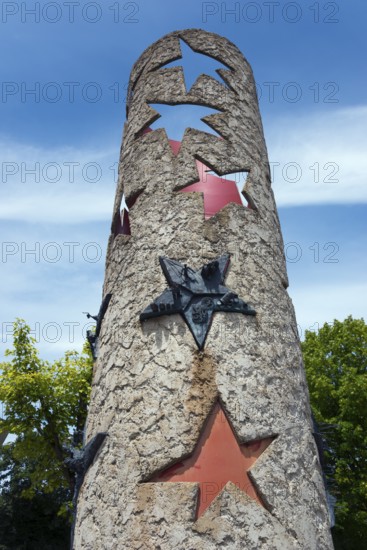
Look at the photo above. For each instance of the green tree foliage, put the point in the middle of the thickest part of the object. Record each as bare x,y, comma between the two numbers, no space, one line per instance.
336,367
45,404
29,523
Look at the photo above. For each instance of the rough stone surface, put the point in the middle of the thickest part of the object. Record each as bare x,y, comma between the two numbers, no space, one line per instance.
152,388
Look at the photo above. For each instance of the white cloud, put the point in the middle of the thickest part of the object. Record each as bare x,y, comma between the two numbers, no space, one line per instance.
62,185
319,159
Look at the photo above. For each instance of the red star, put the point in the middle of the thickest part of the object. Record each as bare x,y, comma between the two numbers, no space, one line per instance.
217,459
218,191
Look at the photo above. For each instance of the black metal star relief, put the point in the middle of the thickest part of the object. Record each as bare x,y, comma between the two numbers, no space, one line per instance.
196,295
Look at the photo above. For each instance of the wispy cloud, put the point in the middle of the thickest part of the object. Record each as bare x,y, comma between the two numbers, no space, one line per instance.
65,185
319,159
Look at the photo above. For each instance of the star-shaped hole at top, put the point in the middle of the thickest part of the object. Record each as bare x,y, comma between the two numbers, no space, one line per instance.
177,118
194,64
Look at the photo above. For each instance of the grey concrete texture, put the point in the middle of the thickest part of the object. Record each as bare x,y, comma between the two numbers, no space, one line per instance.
152,388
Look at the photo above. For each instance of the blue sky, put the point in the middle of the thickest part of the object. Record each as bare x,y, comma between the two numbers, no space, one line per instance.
59,146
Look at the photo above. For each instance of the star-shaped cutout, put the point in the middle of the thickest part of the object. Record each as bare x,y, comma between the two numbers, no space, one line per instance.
176,118
196,295
218,191
194,64
217,459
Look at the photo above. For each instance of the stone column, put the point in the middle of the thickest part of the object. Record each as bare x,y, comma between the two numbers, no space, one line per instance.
179,399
